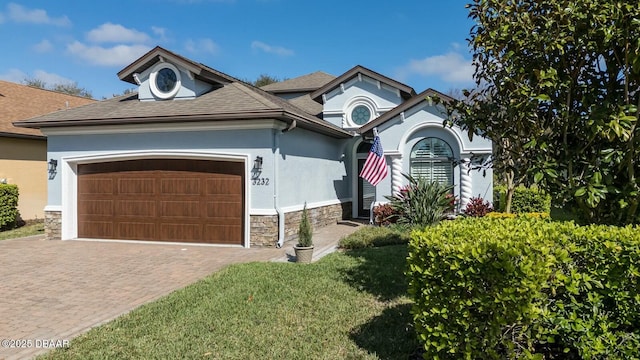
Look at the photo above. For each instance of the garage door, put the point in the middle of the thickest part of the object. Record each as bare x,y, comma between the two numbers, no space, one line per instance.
162,200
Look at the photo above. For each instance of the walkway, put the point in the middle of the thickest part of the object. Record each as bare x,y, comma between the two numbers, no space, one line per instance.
56,290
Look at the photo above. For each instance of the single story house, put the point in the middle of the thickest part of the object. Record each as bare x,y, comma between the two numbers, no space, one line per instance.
199,156
23,151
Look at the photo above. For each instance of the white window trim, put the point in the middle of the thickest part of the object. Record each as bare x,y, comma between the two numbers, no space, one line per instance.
355,102
154,87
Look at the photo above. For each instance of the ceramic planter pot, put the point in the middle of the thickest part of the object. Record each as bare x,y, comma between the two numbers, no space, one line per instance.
304,254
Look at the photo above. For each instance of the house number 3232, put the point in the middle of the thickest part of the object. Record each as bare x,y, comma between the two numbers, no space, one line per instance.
261,181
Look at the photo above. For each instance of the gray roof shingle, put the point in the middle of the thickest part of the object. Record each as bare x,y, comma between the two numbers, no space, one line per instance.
304,83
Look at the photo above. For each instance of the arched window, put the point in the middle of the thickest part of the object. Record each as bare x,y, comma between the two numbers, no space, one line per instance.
432,159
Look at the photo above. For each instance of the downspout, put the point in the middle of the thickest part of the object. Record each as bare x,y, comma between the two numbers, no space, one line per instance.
276,202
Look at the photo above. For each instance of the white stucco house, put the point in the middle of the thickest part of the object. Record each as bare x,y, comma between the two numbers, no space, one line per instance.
199,156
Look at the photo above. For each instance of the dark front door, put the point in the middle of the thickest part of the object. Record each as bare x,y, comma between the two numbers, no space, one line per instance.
366,193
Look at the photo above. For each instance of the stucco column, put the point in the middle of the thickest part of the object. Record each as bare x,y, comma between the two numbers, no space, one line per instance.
396,172
465,183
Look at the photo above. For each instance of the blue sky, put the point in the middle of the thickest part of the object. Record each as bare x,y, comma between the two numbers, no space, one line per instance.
419,42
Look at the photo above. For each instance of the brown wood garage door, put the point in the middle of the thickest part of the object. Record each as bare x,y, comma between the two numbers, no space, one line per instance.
162,200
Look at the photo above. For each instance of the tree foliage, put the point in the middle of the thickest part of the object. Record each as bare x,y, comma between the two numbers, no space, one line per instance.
264,79
71,88
558,93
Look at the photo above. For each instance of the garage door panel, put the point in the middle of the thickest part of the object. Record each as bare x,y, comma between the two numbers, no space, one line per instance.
137,230
177,186
136,208
180,209
182,232
162,200
96,207
221,234
103,227
230,185
95,186
224,209
136,186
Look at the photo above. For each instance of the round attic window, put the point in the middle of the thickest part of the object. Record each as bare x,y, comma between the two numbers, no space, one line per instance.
165,81
360,115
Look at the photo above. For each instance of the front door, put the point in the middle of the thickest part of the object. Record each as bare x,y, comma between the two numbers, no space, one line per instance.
366,193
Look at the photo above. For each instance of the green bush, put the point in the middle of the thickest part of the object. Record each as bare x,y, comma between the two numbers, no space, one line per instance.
373,236
8,206
525,287
525,200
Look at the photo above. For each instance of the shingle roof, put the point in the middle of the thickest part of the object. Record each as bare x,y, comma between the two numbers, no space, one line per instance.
18,102
417,99
236,100
304,83
405,91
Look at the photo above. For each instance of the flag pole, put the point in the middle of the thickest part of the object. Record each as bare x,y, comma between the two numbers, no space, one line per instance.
375,131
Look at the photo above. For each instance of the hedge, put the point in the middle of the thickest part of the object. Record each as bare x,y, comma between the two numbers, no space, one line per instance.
8,206
525,200
524,287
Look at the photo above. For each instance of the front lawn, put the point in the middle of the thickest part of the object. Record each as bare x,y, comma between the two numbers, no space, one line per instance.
350,304
34,228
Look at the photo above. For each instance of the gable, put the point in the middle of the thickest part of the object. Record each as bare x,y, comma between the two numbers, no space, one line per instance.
358,101
359,96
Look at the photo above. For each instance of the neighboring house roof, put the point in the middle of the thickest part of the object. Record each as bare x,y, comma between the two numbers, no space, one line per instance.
405,91
18,102
236,100
403,107
305,83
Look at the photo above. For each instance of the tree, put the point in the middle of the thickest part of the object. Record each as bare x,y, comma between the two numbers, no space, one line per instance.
34,82
65,88
264,79
559,83
72,89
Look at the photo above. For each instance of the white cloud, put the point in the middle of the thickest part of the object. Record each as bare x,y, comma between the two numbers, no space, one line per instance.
451,67
43,46
278,50
14,75
116,33
19,13
18,76
160,31
202,46
119,55
50,78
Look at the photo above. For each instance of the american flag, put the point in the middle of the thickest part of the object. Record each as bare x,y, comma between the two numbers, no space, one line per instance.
375,167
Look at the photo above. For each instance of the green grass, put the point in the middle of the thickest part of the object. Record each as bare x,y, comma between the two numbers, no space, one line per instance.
349,305
23,231
373,236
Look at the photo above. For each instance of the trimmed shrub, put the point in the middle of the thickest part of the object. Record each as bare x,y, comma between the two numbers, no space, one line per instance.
524,287
374,236
477,207
501,215
8,206
525,200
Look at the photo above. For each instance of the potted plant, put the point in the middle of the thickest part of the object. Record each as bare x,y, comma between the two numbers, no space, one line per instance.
304,248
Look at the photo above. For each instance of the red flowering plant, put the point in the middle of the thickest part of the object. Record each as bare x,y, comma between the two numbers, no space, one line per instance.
384,215
477,207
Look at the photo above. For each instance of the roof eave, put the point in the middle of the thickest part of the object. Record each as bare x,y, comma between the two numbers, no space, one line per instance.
280,115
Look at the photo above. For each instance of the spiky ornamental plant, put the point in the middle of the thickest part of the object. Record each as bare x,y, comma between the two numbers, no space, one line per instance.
421,202
305,232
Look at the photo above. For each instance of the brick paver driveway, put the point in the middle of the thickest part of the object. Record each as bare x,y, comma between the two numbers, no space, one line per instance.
55,290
